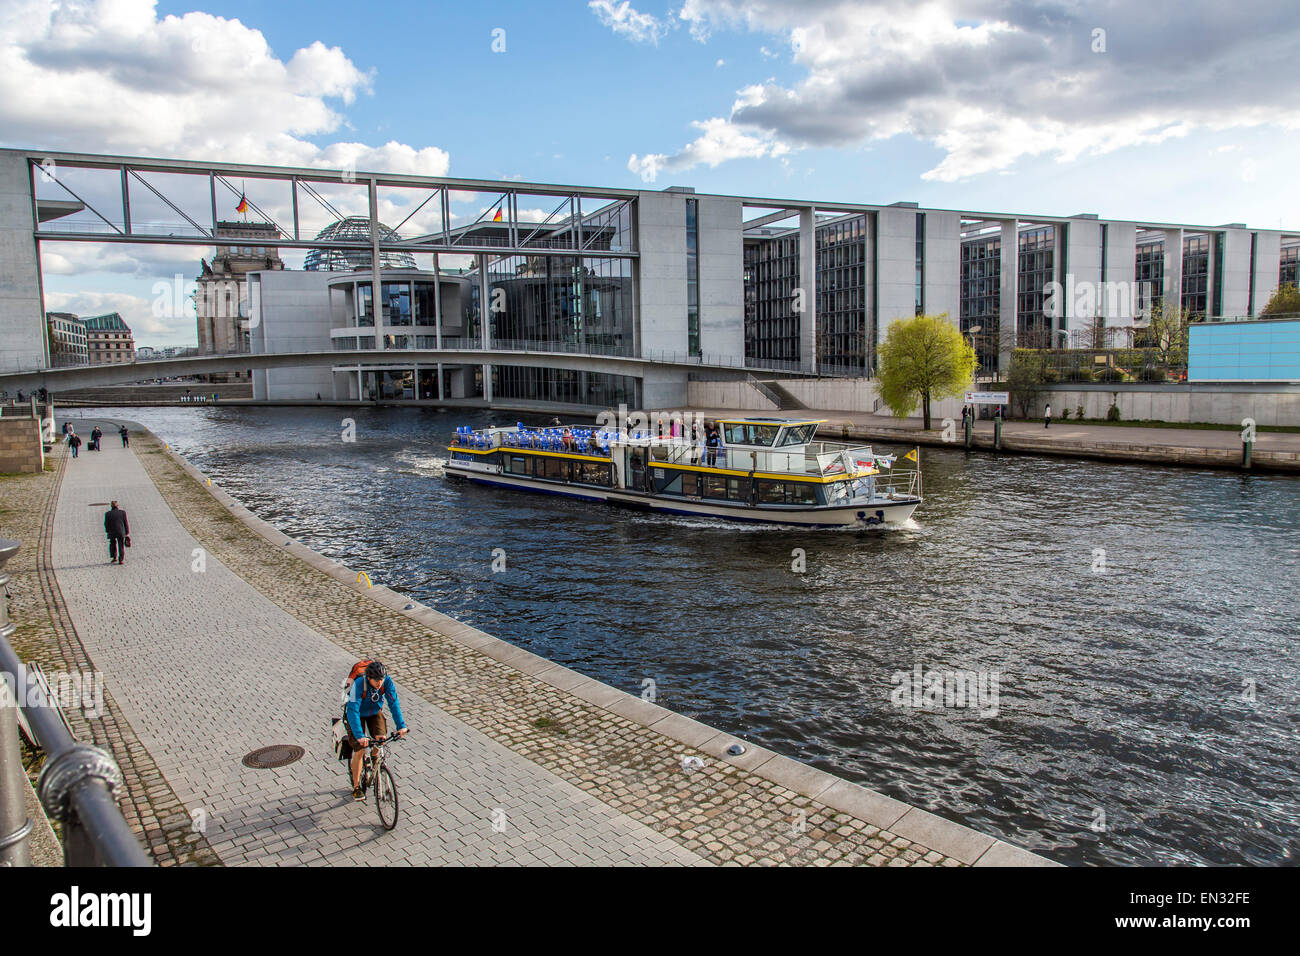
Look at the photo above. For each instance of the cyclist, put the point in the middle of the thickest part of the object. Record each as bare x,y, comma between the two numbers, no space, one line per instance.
363,712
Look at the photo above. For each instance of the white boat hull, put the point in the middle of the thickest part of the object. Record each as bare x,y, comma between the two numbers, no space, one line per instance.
862,515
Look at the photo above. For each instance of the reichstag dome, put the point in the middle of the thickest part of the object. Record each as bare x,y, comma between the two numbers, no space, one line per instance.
355,229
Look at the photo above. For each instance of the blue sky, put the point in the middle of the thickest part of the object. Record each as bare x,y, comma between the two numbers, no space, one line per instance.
1184,114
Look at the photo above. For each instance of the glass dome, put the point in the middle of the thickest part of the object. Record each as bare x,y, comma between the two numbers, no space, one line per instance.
355,229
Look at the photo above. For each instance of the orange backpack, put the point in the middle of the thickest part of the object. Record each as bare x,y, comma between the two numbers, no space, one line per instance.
358,669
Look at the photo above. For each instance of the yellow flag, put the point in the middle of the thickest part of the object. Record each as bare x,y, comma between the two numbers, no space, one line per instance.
912,455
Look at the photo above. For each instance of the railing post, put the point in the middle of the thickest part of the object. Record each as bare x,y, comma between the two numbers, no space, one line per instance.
15,825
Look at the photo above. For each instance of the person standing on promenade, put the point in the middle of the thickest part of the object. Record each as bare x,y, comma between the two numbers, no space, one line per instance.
126,439
95,436
1047,416
118,530
74,442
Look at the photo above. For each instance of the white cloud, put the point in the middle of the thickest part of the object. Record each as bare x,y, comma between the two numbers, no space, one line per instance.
990,83
719,142
626,21
136,311
111,76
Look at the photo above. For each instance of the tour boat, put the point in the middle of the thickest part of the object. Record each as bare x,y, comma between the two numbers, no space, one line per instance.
763,469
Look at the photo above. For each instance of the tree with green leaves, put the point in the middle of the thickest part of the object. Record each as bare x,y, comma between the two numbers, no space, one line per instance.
1285,301
923,359
1025,380
1167,333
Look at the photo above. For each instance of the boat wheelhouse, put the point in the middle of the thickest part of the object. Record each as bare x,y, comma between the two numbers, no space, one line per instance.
762,469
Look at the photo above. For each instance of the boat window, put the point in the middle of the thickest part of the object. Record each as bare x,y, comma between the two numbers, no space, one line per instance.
788,493
764,435
669,483
691,484
715,486
803,493
798,434
735,434
738,489
556,469
518,465
591,472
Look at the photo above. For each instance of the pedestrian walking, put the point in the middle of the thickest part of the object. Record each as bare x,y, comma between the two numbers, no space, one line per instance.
74,442
126,439
95,436
1047,416
119,533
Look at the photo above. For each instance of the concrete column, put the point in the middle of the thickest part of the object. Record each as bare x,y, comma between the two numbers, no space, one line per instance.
1234,282
22,331
487,383
808,283
440,395
376,277
1081,269
1173,286
1121,271
1268,262
1009,293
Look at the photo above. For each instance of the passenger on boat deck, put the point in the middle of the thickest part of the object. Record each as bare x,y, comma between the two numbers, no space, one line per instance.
567,440
593,445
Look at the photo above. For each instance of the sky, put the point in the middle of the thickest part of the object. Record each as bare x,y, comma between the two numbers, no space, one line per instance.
1166,112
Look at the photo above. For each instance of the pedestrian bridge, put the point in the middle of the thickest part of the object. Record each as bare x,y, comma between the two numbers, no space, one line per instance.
93,376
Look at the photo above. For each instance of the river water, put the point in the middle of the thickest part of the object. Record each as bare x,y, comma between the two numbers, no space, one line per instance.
1134,628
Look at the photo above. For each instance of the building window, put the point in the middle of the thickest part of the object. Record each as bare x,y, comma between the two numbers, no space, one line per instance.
920,263
692,277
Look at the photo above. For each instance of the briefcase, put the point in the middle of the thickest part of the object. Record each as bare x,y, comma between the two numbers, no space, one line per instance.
128,541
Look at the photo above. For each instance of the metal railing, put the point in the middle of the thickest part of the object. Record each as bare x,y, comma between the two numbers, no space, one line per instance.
79,783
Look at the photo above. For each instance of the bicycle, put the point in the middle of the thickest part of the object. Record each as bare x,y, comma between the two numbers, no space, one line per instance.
374,768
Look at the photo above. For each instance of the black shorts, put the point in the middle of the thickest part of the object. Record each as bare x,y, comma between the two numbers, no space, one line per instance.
374,726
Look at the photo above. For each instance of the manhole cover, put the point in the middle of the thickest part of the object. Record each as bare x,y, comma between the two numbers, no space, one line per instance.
276,755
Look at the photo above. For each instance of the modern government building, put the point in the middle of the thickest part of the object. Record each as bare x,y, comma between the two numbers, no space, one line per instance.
676,278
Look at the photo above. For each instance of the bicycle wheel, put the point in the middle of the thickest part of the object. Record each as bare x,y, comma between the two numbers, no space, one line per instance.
386,798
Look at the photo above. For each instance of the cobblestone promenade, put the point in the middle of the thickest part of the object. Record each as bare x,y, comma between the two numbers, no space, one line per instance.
216,641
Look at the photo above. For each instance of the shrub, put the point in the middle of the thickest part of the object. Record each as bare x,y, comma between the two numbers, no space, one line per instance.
1078,412
1112,413
1065,414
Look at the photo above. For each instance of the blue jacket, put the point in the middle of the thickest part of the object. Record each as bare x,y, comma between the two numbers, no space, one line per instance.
364,701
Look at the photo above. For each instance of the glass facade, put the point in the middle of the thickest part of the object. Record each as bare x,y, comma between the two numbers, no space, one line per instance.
561,385
1288,272
1196,274
558,302
1037,267
773,275
981,297
1149,273
772,327
843,340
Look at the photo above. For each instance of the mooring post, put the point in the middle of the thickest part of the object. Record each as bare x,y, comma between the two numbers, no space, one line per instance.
966,423
997,433
1247,453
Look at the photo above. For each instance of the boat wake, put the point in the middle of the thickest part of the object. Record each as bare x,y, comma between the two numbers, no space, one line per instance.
429,466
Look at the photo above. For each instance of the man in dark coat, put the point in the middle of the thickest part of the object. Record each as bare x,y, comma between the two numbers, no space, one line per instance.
117,529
